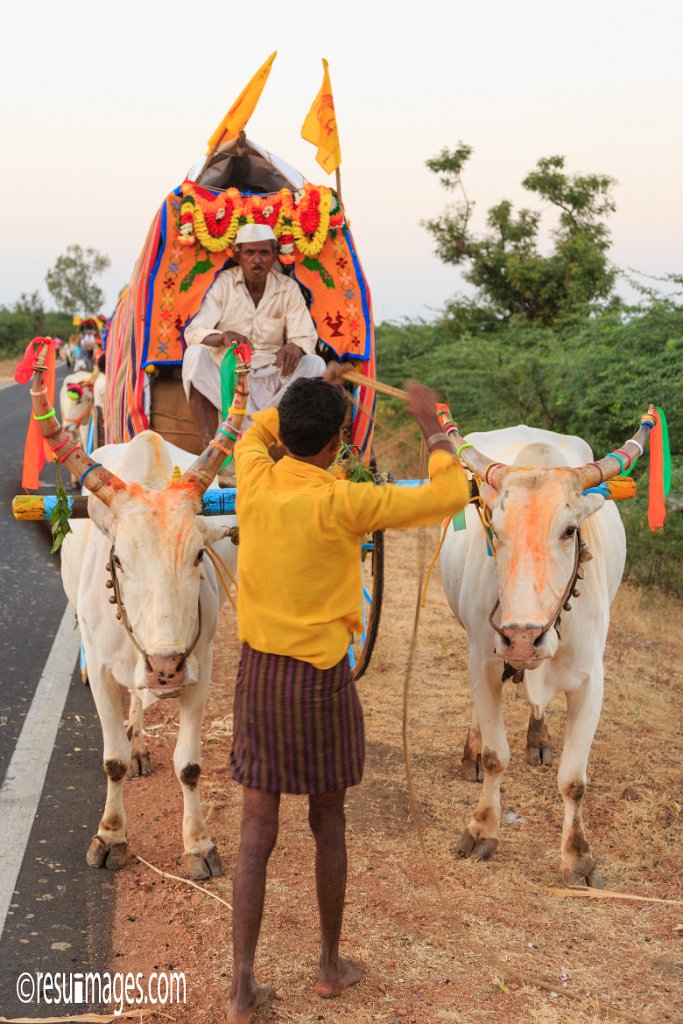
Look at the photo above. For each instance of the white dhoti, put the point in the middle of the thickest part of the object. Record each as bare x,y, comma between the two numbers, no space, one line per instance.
266,385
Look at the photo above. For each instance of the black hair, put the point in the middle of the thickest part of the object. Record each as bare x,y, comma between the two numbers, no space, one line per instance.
311,413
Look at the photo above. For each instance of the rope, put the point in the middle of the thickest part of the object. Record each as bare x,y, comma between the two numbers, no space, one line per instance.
220,565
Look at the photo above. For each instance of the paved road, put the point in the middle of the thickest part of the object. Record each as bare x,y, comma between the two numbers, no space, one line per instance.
58,910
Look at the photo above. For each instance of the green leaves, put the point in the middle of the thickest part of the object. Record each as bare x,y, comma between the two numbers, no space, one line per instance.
60,526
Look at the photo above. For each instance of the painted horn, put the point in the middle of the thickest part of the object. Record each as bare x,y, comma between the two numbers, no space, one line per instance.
478,463
614,463
202,471
68,451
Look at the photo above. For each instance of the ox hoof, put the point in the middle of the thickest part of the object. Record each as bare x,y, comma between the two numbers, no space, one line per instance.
592,879
477,849
539,753
472,770
199,866
112,857
140,764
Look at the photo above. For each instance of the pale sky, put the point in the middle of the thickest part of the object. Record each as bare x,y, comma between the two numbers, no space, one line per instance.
105,106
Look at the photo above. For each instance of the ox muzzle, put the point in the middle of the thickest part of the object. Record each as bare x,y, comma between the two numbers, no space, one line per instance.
525,646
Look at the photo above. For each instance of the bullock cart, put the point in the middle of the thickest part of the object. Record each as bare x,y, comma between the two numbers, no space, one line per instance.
188,243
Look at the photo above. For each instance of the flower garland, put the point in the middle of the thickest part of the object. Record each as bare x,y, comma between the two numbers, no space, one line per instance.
301,219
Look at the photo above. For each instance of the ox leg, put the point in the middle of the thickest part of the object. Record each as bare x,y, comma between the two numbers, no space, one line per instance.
139,760
471,756
200,857
109,848
480,838
583,713
538,746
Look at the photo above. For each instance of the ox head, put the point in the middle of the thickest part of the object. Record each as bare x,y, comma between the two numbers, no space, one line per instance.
536,508
158,543
76,400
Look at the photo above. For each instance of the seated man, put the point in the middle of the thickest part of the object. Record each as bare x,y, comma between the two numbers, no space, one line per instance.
254,303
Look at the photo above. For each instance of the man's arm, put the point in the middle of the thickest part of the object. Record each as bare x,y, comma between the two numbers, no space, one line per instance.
202,330
377,508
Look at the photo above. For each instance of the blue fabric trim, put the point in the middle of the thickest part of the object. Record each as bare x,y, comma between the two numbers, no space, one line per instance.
360,277
150,286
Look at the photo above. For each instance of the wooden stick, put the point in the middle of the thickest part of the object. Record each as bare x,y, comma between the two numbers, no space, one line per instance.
386,389
185,881
608,894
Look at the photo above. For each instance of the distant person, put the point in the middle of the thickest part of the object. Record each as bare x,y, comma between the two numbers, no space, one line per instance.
255,303
297,718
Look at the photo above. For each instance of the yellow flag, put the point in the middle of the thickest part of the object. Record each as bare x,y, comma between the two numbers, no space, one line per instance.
320,126
243,107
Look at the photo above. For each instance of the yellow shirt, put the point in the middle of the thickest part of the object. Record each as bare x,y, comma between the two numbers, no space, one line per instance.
280,316
299,550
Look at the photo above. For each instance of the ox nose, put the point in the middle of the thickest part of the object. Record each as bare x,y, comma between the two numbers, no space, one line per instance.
521,642
166,674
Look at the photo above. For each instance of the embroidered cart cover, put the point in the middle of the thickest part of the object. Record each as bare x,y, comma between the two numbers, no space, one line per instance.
189,243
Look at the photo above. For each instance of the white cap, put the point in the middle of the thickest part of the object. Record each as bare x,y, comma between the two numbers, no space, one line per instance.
255,233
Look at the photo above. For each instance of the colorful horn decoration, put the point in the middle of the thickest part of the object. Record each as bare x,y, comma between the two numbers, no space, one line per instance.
202,471
66,449
621,460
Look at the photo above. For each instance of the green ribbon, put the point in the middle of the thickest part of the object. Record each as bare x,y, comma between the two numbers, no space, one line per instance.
228,365
666,451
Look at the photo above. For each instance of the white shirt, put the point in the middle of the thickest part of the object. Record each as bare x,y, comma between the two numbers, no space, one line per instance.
280,317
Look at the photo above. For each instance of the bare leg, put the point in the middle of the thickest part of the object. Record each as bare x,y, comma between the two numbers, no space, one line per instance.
205,415
328,824
257,840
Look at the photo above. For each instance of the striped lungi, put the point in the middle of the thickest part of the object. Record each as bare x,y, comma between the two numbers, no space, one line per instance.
297,728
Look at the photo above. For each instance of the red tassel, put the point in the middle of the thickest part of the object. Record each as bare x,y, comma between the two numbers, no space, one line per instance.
35,446
656,508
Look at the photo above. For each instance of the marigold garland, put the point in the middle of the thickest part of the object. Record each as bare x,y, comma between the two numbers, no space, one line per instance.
301,219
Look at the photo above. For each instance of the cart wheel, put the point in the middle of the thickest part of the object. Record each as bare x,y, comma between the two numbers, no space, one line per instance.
372,579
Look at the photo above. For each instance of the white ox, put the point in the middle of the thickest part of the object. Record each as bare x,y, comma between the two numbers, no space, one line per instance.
76,397
544,531
145,544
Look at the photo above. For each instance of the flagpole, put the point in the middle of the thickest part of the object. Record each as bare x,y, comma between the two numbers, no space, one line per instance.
338,180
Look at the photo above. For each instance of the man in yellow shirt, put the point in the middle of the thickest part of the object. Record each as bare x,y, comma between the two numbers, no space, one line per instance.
298,723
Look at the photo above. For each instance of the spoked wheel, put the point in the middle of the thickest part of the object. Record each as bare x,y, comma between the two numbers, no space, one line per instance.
372,579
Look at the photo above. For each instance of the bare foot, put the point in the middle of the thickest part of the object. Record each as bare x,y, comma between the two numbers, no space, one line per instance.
334,979
242,1007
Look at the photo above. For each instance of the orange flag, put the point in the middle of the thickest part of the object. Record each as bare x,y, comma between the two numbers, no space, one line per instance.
320,126
243,107
35,446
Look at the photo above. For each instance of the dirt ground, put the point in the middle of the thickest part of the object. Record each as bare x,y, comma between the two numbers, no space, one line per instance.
429,960
7,370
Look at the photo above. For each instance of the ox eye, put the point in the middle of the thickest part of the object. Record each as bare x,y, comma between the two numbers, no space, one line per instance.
570,532
200,555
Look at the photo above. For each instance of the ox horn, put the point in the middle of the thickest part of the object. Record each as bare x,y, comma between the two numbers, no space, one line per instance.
95,477
481,465
595,473
204,468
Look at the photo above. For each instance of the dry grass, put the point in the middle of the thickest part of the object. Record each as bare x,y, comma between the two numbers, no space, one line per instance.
423,958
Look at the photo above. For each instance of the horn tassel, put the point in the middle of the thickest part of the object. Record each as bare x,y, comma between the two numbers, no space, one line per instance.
66,450
621,460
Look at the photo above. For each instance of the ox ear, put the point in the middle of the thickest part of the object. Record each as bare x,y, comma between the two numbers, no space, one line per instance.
589,504
212,532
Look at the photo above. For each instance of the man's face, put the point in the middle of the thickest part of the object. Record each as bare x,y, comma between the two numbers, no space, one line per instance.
256,260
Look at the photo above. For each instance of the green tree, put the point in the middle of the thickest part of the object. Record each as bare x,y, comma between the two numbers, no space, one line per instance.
71,281
513,277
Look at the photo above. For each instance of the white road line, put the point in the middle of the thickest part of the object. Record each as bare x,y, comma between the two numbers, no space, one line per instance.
23,785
